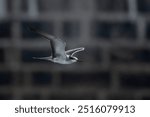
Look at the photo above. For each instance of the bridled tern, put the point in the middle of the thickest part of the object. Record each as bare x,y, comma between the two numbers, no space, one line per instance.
58,53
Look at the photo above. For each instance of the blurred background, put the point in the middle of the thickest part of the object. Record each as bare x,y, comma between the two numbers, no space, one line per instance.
115,34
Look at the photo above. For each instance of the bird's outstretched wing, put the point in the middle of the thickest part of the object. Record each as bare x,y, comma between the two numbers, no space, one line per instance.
57,45
73,51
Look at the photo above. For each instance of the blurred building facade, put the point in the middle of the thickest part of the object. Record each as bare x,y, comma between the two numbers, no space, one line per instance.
115,34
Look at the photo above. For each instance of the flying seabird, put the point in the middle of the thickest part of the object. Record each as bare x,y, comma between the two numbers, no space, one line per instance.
58,53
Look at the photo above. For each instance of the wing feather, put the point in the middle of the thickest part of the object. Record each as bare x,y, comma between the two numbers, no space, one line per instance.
57,45
73,51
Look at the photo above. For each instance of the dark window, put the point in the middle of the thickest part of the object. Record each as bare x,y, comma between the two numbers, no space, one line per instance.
111,5
148,30
43,26
5,29
135,80
6,78
143,6
143,55
71,29
1,55
101,29
54,5
98,79
130,55
113,30
41,78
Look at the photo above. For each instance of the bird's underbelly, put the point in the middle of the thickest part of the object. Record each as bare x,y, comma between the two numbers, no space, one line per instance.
62,61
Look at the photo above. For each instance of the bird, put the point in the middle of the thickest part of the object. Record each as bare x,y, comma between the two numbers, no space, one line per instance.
58,53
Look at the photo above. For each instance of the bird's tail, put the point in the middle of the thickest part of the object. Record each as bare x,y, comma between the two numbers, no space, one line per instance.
42,58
